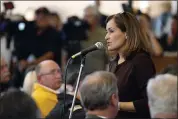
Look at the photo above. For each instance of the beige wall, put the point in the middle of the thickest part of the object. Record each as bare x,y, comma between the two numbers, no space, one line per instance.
64,8
157,7
68,8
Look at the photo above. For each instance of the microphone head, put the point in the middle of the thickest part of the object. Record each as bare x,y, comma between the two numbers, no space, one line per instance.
99,45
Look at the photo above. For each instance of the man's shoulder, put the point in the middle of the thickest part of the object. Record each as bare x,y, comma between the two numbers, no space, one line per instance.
39,94
43,94
42,97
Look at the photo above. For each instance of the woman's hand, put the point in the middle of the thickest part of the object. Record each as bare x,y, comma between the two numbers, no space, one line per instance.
126,106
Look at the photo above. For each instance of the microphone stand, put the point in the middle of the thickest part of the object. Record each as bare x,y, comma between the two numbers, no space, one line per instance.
77,86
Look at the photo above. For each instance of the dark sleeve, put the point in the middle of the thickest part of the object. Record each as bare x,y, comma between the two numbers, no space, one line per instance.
54,43
56,113
10,35
144,69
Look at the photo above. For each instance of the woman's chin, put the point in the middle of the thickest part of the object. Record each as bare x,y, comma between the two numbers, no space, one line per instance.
111,49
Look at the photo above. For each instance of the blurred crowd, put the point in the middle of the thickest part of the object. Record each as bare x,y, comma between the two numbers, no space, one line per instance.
42,48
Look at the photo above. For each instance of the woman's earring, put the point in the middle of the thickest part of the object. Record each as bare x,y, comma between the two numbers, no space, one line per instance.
126,36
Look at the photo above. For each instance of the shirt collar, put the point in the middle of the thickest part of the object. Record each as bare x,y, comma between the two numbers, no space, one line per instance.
49,89
102,117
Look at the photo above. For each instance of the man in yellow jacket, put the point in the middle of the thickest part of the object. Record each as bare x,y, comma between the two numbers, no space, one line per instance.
45,90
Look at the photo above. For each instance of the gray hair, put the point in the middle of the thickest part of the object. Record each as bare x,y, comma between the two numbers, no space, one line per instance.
93,9
170,69
162,94
96,90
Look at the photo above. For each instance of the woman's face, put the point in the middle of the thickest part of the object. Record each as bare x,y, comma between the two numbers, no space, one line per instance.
115,38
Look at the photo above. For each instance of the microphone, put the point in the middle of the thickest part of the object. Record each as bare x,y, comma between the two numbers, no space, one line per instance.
97,46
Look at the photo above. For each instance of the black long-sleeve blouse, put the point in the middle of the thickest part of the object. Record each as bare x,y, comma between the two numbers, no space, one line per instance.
133,75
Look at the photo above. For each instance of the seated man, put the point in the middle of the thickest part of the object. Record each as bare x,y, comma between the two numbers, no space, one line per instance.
162,96
48,82
99,95
15,104
5,76
78,111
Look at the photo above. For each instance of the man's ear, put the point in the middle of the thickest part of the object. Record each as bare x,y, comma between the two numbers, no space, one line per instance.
114,99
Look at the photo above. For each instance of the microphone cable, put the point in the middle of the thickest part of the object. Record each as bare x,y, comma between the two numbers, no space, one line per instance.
65,83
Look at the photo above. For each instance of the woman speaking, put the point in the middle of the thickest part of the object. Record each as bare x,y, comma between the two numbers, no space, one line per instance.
133,66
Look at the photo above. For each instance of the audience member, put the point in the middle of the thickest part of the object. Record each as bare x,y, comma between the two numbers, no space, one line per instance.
15,104
29,80
58,111
99,95
162,96
46,89
95,34
163,22
133,65
56,22
42,42
48,40
169,41
102,17
76,31
5,76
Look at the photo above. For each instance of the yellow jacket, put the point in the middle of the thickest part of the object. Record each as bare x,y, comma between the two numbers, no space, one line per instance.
45,98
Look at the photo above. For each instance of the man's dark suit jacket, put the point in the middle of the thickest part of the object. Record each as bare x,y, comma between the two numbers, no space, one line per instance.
58,112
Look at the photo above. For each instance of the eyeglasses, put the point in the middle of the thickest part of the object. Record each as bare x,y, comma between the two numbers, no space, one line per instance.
52,72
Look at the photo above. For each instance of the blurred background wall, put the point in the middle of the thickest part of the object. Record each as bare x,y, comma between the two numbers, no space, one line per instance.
64,8
68,8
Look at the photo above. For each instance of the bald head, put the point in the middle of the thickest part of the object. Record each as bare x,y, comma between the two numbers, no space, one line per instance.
97,89
49,74
44,65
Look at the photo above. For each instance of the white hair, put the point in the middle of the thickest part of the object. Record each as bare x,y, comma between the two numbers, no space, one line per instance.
162,94
29,81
